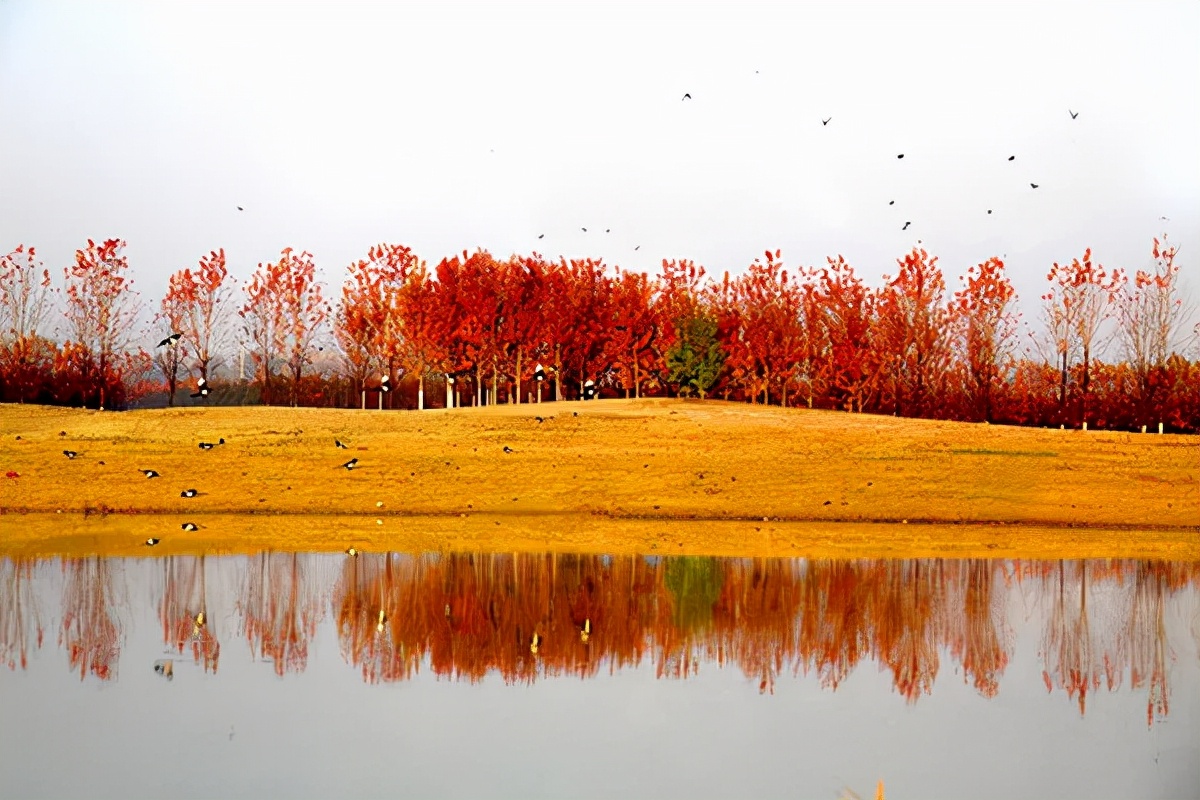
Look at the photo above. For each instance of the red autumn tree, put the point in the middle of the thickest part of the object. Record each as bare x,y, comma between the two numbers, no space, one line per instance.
911,335
284,312
522,290
204,296
984,328
772,329
841,312
26,299
422,326
1149,315
170,320
634,329
1077,305
588,305
102,309
471,287
368,324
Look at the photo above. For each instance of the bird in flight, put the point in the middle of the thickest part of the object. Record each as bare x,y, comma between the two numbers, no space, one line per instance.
900,156
687,96
385,383
1073,114
338,443
906,226
188,493
190,526
149,473
608,230
151,542
825,122
170,340
70,453
201,388
891,202
541,236
1012,158
1034,185
239,208
989,211
349,465
583,229
639,247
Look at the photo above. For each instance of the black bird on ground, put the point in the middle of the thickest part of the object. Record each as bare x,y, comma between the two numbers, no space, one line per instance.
221,440
339,445
207,445
540,419
906,226
70,453
825,122
351,464
149,473
188,493
170,340
687,95
151,542
190,526
1073,114
508,449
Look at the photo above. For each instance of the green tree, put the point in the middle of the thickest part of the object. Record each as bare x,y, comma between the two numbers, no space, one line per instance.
696,359
695,584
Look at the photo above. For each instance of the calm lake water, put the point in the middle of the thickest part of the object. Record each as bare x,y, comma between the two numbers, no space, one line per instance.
395,675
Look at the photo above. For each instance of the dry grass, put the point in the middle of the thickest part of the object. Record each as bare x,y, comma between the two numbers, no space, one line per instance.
622,476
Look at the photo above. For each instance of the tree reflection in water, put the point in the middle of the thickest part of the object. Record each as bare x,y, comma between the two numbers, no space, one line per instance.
91,630
525,617
184,611
20,617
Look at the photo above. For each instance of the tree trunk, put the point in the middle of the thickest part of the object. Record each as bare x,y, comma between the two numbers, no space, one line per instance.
558,373
478,385
421,392
636,392
517,377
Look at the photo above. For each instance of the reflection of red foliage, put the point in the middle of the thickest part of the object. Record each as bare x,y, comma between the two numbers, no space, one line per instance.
90,630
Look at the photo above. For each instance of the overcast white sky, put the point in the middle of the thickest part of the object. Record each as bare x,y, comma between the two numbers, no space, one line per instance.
448,126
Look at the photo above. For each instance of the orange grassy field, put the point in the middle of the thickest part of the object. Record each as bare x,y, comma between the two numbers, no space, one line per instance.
618,476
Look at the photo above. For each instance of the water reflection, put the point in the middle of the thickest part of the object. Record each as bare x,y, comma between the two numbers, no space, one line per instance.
528,617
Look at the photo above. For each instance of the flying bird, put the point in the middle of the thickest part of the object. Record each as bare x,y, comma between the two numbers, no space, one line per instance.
1073,114
989,211
170,340
239,208
151,542
900,156
1012,158
350,464
385,383
639,247
687,96
340,446
608,230
201,388
190,526
825,122
1034,185
149,473
541,236
583,229
891,202
70,453
188,493
906,226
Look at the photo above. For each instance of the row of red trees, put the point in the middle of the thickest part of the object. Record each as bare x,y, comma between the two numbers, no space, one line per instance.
527,616
479,326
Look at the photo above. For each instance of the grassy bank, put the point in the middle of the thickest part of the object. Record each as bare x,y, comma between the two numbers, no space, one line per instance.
695,477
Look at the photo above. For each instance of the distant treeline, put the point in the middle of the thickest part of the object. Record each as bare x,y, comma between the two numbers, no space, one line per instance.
1115,350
